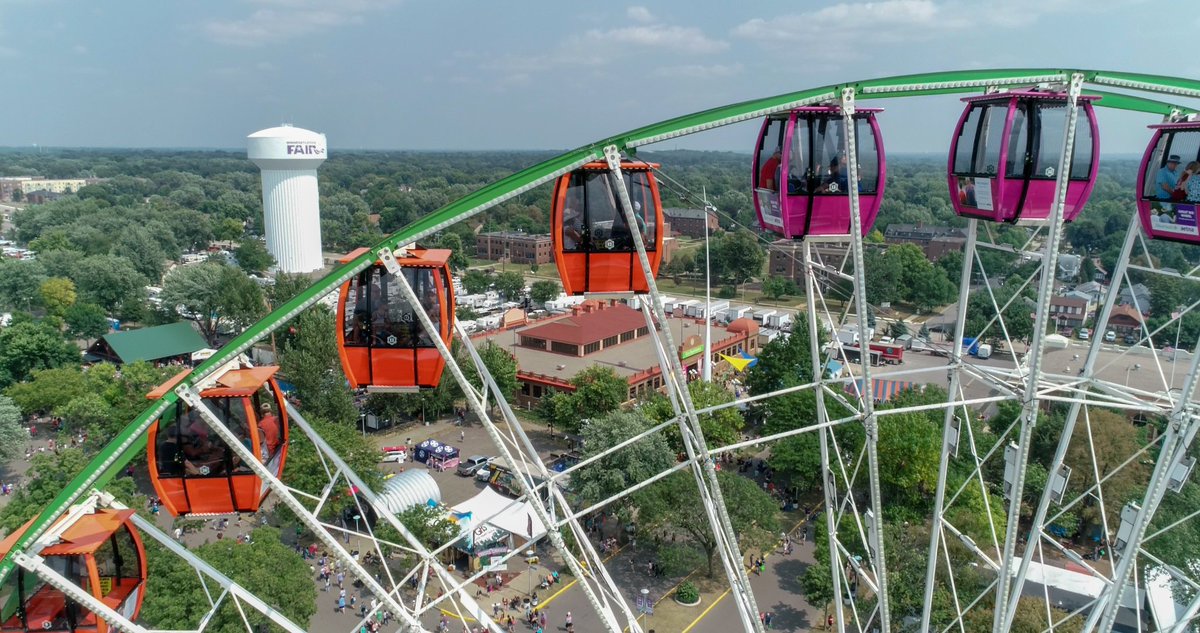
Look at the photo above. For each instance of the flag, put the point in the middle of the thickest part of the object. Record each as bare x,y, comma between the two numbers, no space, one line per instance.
739,363
529,524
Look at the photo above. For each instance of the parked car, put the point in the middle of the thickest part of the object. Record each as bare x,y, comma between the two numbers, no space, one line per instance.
1110,337
394,454
1084,334
472,464
1130,339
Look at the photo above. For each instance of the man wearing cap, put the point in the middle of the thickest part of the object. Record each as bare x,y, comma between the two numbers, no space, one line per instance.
269,425
1167,178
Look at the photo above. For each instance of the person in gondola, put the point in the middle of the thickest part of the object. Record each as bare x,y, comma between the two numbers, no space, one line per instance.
1167,177
572,237
768,176
836,181
1188,188
270,428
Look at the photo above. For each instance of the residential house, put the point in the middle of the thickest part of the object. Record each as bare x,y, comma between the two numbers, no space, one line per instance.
1069,311
1125,320
1137,291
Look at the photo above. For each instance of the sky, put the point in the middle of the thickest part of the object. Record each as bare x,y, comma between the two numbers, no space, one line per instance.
531,74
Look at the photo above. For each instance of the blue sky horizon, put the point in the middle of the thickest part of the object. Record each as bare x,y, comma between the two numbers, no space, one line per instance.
401,75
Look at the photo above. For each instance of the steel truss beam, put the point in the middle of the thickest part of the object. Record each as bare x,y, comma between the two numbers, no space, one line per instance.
1006,598
192,397
703,466
599,604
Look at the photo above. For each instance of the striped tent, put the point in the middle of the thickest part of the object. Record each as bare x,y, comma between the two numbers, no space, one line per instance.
882,388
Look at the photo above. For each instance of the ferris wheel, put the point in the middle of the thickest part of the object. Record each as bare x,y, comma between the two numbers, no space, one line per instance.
1024,156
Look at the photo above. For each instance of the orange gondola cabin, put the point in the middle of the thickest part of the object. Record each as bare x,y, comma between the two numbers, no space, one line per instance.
593,246
382,343
193,470
101,552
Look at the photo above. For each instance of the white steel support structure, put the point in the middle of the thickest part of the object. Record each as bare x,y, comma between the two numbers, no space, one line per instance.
689,426
960,324
191,396
1068,429
828,478
1005,594
608,618
867,393
1181,431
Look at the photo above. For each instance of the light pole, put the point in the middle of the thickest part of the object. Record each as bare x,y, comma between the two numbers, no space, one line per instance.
529,559
1132,368
356,518
645,605
708,360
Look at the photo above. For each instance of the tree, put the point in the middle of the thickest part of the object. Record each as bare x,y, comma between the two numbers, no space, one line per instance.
431,526
622,469
1111,439
304,469
49,474
57,295
174,596
110,282
228,230
143,251
674,502
784,362
721,427
253,257
309,360
500,364
27,347
898,328
219,296
19,283
13,436
544,290
598,390
776,288
458,253
1030,617
476,282
511,284
1018,320
86,321
737,256
817,585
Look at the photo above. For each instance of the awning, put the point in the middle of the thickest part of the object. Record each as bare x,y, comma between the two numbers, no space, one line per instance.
882,389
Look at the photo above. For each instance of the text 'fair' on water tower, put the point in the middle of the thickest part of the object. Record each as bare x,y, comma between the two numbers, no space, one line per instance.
288,157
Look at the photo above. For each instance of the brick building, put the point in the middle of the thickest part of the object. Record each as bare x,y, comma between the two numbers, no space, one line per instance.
935,241
786,257
517,247
690,222
610,334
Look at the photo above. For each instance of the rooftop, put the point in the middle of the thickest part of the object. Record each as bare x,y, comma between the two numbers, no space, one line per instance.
592,321
152,343
515,234
678,212
922,230
627,359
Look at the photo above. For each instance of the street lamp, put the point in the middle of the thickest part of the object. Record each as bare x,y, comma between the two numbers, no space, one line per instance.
529,559
645,605
1132,368
356,518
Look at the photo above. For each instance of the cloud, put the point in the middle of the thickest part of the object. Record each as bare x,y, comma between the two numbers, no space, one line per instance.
890,20
278,20
678,39
599,47
700,71
640,14
902,21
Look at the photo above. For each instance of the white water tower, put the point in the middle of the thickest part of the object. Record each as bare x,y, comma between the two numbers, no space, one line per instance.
288,157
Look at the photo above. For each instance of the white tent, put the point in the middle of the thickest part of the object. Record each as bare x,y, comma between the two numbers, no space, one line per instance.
489,511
